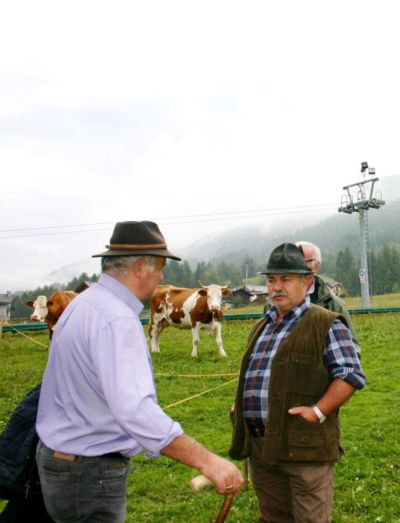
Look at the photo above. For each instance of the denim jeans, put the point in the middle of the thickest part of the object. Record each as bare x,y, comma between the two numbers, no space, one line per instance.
86,490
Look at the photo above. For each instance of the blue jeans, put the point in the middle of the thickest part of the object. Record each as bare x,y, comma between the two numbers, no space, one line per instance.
85,490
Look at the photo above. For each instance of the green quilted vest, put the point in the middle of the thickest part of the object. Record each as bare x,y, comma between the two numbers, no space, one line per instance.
298,377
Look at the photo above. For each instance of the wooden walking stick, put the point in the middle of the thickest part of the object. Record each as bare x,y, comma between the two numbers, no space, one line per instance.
226,505
199,482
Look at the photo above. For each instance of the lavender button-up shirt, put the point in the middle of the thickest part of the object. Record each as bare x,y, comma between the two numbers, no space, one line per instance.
98,393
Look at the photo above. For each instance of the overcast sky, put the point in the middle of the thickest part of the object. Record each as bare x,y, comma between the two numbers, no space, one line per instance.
193,114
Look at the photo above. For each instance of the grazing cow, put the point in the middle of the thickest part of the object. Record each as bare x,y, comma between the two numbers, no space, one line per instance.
50,309
190,308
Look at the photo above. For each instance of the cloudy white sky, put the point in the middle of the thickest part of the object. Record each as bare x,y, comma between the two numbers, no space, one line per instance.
184,112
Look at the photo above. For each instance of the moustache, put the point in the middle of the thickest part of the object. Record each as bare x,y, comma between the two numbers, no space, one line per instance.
277,294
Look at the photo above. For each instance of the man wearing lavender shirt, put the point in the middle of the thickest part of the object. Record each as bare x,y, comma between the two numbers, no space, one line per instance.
98,404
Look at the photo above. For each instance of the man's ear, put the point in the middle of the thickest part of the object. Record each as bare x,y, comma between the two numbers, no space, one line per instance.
140,268
308,279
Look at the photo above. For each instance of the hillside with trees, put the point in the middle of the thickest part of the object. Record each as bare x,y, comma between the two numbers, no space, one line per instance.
384,275
234,258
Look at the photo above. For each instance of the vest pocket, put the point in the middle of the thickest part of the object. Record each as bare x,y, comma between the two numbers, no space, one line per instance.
299,438
305,446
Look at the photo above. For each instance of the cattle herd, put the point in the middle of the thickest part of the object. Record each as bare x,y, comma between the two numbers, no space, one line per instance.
185,308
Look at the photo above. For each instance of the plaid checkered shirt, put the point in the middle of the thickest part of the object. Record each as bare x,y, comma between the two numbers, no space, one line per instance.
340,359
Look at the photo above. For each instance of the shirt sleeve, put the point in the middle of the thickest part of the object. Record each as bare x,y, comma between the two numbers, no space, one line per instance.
123,366
340,356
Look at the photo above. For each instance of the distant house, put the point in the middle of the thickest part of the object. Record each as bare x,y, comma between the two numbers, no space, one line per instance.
255,294
334,286
5,305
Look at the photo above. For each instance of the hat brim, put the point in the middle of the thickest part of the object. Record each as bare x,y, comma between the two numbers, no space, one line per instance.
162,253
287,271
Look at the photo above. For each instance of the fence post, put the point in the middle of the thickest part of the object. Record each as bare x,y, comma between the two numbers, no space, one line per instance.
1,327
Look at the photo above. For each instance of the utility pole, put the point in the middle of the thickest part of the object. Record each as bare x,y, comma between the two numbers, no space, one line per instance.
361,205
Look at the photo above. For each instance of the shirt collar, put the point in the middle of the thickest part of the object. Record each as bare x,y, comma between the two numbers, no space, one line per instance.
121,291
295,313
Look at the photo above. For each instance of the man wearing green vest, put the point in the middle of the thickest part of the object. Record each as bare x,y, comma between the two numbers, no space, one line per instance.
299,368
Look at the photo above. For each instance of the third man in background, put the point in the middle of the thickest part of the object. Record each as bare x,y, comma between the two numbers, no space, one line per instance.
318,290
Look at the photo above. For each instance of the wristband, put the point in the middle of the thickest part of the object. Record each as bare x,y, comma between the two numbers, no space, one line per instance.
320,415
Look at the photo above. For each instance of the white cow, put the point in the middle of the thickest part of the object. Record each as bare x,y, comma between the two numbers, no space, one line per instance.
39,306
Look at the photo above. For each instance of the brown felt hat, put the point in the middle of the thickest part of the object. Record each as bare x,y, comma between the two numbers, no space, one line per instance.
287,258
135,238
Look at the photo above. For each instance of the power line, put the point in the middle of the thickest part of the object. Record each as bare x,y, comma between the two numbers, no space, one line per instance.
53,230
206,215
54,227
172,220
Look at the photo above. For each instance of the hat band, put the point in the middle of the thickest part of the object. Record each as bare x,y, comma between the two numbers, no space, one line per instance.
131,246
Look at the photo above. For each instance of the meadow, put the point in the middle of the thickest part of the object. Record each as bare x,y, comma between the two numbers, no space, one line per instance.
367,478
382,300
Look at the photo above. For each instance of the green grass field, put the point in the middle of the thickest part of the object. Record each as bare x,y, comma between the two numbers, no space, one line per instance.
383,300
367,478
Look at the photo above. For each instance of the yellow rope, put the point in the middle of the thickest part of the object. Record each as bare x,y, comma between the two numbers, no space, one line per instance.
165,375
196,375
29,337
199,394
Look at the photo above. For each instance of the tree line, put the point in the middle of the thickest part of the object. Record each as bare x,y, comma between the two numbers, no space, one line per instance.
383,270
384,275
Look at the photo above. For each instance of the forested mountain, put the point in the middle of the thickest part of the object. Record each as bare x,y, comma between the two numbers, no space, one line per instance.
332,235
339,240
241,253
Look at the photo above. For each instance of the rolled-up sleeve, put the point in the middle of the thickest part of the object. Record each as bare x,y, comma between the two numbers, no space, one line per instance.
126,379
340,356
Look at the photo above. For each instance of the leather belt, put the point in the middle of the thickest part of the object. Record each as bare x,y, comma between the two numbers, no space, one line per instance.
63,456
73,457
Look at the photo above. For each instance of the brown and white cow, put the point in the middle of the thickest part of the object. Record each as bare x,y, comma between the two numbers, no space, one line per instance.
50,309
187,308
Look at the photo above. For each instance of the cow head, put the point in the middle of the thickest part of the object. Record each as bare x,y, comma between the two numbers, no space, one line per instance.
214,295
39,307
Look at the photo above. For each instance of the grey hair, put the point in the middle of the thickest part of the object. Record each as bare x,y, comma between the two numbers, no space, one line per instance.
315,250
119,265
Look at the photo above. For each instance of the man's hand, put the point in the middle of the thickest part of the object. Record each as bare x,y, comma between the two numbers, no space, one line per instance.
335,396
227,477
306,413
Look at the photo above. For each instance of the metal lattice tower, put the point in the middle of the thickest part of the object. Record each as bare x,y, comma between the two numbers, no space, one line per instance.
361,205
